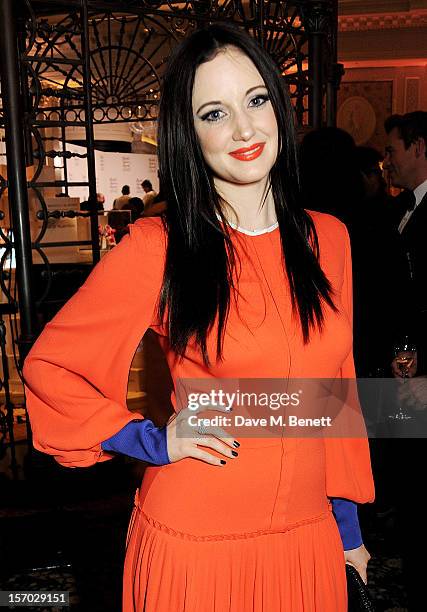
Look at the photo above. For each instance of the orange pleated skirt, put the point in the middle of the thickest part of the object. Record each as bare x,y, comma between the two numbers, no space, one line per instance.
256,535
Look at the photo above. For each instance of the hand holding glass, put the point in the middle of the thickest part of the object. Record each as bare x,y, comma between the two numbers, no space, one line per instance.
404,357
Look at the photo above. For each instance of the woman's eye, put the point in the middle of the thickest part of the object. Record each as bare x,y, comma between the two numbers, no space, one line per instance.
259,100
214,115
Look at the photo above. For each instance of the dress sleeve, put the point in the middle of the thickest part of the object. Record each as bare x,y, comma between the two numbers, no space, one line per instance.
348,465
76,374
345,512
141,440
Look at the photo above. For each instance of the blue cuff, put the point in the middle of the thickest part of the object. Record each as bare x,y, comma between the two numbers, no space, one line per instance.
345,512
140,440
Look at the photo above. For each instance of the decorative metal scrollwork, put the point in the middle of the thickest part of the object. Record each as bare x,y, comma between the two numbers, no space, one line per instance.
129,43
317,16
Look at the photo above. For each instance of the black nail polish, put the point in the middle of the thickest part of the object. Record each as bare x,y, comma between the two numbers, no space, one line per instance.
223,462
234,454
236,444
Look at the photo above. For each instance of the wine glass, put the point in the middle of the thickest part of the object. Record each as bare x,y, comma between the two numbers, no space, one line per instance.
404,356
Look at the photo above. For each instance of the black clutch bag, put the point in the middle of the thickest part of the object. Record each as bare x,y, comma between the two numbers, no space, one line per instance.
359,599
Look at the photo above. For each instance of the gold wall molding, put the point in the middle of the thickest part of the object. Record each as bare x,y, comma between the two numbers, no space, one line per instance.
382,21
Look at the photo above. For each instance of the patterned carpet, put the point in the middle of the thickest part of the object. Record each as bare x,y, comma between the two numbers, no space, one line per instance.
54,542
385,567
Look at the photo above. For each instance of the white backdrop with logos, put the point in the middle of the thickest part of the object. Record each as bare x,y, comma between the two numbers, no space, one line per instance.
113,170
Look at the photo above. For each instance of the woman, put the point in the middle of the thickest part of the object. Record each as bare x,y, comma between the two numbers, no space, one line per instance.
239,282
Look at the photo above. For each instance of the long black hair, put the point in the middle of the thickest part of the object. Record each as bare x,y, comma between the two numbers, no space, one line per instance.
200,260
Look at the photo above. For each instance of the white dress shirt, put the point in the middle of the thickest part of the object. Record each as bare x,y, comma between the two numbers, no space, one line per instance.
419,194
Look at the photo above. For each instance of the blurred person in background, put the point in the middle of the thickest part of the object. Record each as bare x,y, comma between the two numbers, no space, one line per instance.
136,207
149,194
100,201
378,279
378,268
330,179
406,164
158,205
369,162
123,199
346,181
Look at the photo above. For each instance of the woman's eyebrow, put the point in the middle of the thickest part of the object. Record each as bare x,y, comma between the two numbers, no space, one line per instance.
219,101
208,104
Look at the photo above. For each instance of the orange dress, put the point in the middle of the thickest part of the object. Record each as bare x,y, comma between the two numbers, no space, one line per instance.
258,534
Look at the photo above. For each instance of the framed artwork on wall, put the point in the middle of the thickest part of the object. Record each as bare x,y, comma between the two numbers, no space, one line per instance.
363,107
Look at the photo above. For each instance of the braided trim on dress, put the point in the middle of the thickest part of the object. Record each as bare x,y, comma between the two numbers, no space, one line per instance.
232,536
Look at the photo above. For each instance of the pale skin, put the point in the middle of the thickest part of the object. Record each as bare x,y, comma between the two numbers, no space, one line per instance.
237,116
407,168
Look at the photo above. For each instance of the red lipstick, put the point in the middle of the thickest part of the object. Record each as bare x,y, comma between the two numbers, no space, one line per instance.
248,153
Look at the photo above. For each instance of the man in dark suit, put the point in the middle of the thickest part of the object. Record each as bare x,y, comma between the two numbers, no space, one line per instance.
406,162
